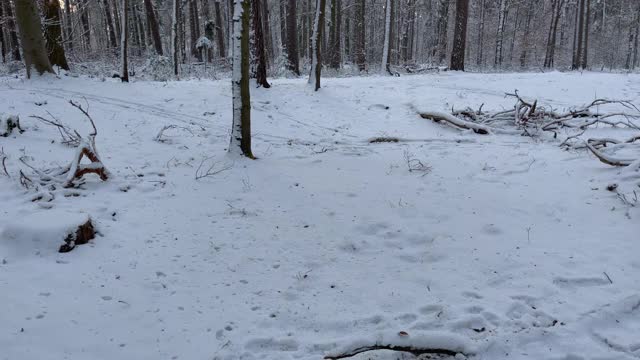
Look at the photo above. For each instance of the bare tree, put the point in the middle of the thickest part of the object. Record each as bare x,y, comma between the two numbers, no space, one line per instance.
154,29
386,49
124,42
460,35
241,128
258,58
53,33
292,38
33,45
11,27
219,30
316,41
360,36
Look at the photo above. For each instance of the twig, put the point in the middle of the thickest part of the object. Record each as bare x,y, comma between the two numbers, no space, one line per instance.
211,169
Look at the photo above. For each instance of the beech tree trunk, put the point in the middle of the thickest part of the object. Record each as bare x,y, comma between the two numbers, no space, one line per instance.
241,127
460,35
33,44
53,33
258,58
292,38
153,26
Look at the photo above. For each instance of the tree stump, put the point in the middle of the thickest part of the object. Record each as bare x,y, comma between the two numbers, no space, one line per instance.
81,236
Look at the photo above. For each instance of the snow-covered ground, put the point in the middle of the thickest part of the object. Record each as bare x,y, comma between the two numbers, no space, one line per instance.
505,247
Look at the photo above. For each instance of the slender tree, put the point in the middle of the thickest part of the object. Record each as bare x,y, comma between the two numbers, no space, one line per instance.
316,42
33,44
502,17
69,27
460,35
113,42
175,41
241,128
219,30
258,58
292,38
360,35
386,48
3,42
154,29
53,33
11,27
124,42
442,30
335,34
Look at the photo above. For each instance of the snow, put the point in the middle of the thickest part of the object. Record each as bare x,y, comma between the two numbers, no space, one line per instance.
508,248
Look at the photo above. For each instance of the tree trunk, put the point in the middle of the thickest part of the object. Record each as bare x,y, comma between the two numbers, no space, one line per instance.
268,38
553,29
220,31
360,36
480,53
443,27
86,29
33,44
241,128
124,42
53,33
460,35
526,36
194,29
3,42
258,58
502,15
113,42
175,42
335,35
585,48
68,28
580,31
153,26
13,35
386,49
117,20
292,38
316,41
283,24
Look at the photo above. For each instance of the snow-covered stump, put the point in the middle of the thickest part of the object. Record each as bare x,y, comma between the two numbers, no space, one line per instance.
8,123
82,235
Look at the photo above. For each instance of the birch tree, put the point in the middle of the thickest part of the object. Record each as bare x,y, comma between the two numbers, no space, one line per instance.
240,143
316,44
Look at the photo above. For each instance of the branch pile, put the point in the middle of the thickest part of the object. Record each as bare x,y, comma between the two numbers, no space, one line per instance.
45,182
529,118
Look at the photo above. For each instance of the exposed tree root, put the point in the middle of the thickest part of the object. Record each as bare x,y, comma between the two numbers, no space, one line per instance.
408,349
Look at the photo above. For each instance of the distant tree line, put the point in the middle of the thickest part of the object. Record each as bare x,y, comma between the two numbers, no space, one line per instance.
360,35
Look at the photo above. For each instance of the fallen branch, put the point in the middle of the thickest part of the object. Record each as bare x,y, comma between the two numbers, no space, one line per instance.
609,160
416,351
3,160
456,122
210,170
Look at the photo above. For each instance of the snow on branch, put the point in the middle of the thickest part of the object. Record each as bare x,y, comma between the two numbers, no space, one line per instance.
422,344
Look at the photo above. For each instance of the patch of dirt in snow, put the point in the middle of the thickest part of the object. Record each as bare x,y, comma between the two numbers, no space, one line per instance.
507,248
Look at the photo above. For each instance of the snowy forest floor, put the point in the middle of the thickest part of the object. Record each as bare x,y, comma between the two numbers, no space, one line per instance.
504,247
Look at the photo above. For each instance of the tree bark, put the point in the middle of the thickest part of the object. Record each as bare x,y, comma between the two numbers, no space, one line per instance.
113,42
443,26
124,42
220,31
53,33
360,36
502,15
585,48
13,35
153,26
175,42
241,128
33,44
316,41
386,48
460,35
258,58
292,38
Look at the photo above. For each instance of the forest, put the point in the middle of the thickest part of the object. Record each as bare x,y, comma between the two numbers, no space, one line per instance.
320,179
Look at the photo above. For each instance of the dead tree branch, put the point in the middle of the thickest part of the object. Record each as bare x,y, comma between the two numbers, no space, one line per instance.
207,170
416,351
